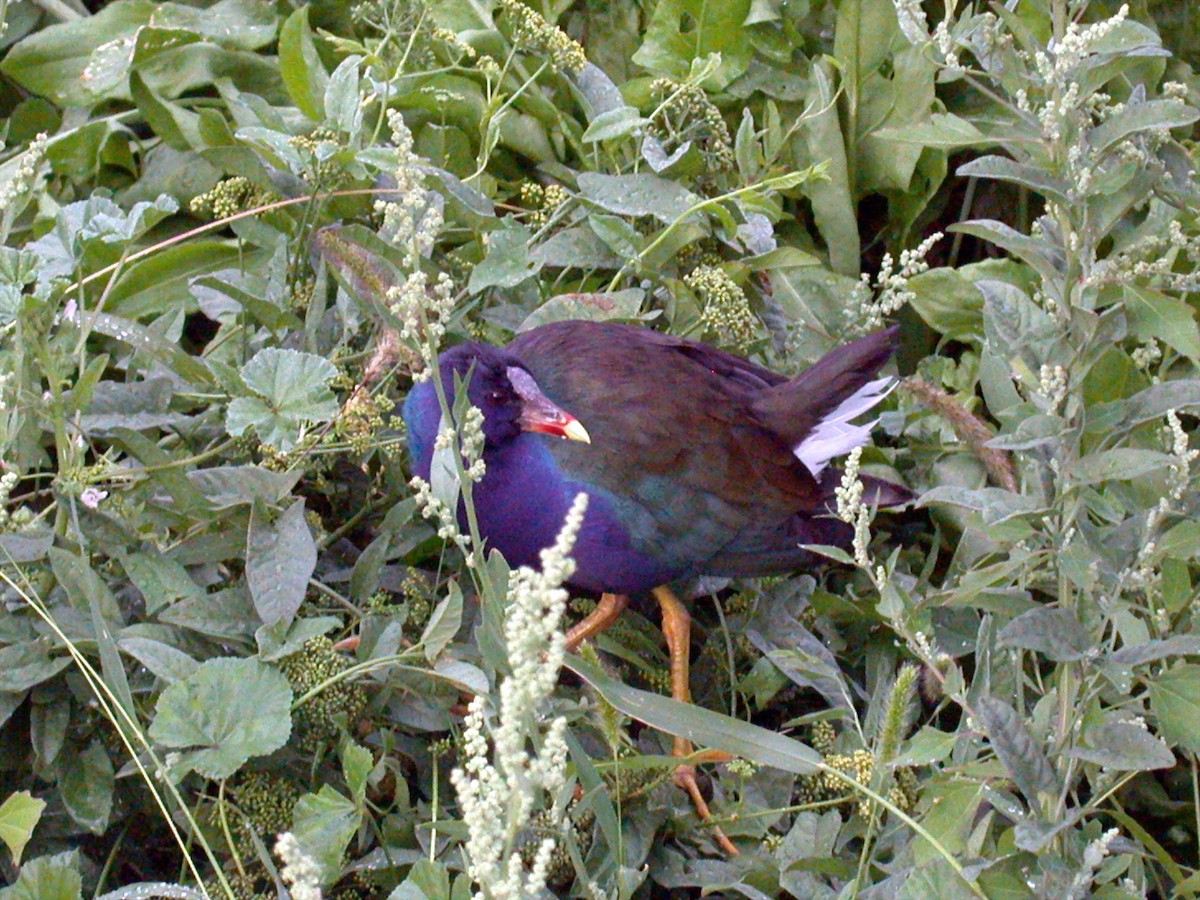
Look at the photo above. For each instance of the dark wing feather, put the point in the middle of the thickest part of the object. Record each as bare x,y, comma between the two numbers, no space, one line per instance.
674,437
793,408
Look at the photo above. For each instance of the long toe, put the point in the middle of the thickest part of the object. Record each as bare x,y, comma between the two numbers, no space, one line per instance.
685,777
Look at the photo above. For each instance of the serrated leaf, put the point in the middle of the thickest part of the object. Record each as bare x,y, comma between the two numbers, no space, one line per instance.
324,823
1125,747
54,877
293,390
229,711
1175,702
19,815
280,558
1054,632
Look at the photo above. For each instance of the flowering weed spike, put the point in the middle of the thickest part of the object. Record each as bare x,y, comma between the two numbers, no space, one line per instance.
501,797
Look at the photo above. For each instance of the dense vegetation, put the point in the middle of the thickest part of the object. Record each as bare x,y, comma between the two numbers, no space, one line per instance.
237,645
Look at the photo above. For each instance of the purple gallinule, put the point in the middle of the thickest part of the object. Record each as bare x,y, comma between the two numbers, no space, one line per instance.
696,461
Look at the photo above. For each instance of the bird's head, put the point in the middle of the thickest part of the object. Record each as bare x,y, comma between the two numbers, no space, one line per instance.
507,394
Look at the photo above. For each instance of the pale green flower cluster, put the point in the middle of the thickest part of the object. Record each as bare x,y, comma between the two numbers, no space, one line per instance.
410,220
500,795
29,163
726,315
535,35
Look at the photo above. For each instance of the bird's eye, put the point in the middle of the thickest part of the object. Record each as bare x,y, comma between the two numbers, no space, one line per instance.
497,396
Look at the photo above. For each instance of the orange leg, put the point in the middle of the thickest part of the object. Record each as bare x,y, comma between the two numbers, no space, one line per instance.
605,613
677,629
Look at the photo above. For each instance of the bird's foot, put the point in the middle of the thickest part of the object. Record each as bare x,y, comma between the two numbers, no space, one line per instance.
685,778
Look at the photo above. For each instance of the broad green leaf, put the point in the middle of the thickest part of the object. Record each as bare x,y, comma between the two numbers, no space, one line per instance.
1035,178
943,130
996,504
615,123
168,663
48,878
27,665
64,61
1125,747
1017,749
229,711
300,65
1054,632
638,195
19,815
86,782
357,763
684,33
1118,464
1146,116
1153,314
593,307
293,390
280,558
324,823
1175,702
579,248
341,103
507,263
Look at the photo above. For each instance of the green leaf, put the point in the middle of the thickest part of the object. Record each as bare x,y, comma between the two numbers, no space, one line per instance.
1175,702
1153,314
27,665
1134,117
280,558
1055,633
86,783
48,878
615,123
579,248
300,65
1118,464
73,63
19,815
1017,749
638,195
227,712
357,763
701,726
444,623
945,131
324,823
507,263
683,33
1125,747
292,389
162,660
598,307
